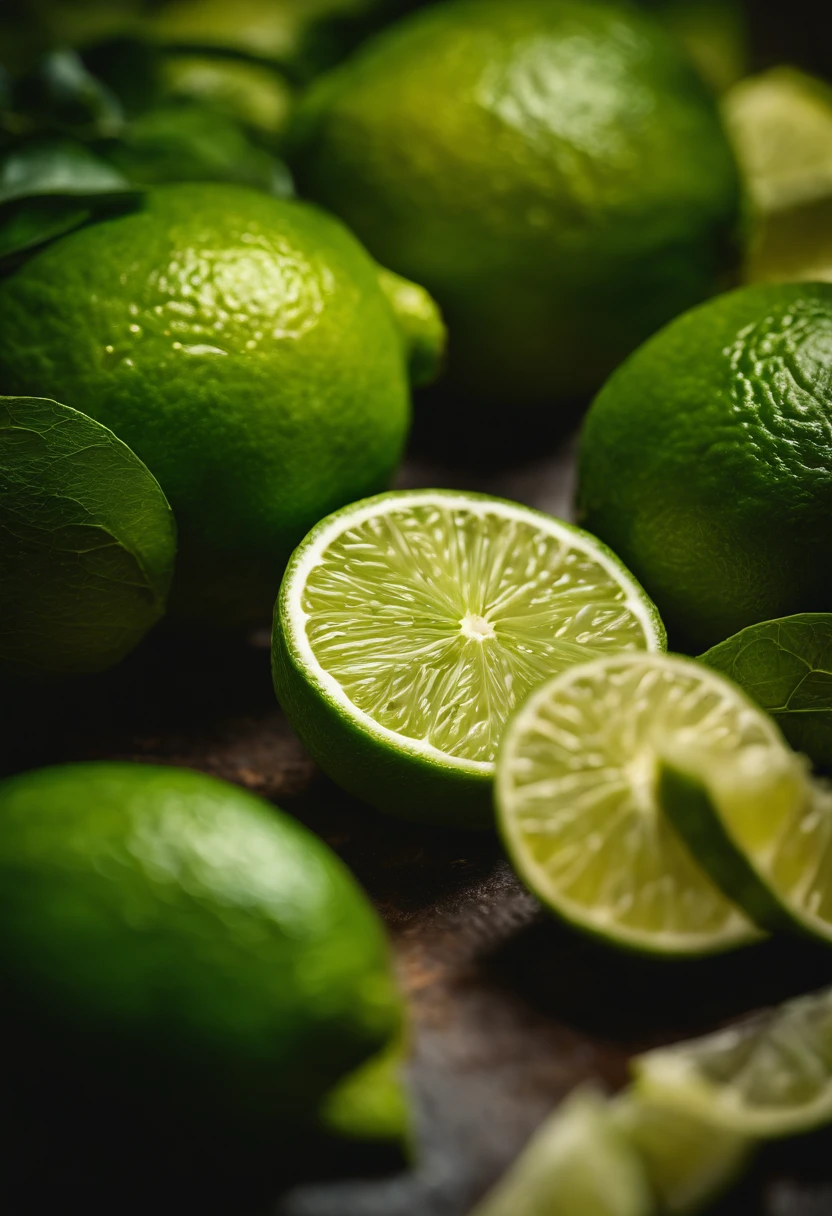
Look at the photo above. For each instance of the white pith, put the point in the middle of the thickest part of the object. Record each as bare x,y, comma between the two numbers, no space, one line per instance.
475,628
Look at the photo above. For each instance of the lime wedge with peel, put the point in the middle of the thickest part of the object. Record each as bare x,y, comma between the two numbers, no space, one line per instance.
410,625
763,829
578,1164
578,798
768,1076
689,1160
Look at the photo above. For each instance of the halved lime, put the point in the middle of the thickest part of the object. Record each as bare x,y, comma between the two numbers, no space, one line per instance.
410,625
578,798
768,1076
762,829
578,1164
689,1160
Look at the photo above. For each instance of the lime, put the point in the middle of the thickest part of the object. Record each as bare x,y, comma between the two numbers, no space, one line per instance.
554,172
409,626
578,798
763,830
371,1102
184,933
781,125
767,1076
689,1160
87,542
244,348
577,1164
252,93
715,33
706,463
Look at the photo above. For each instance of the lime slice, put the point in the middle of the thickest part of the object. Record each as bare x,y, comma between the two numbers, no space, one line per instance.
781,125
768,1076
690,1161
763,829
410,625
578,1164
578,798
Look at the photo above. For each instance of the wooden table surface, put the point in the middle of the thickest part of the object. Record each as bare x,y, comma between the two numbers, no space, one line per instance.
510,1009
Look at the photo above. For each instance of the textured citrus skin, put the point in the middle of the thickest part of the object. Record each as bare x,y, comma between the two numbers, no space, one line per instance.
192,932
242,346
553,172
706,462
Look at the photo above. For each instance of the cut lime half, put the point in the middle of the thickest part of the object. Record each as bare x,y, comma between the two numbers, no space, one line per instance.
578,798
768,1076
410,625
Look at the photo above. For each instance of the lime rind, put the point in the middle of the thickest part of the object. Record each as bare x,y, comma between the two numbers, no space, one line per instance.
769,1076
578,805
409,624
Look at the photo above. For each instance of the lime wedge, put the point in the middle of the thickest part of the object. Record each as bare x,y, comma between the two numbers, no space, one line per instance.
578,798
768,1076
763,829
578,1164
410,625
690,1161
781,125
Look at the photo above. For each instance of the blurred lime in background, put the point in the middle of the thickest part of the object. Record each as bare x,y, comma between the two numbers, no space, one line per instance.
554,172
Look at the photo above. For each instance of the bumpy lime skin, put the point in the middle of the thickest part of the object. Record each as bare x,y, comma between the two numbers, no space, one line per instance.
553,172
171,926
242,346
706,462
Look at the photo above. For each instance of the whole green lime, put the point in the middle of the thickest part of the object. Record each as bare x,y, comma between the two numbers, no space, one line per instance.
87,543
554,172
246,350
706,462
190,936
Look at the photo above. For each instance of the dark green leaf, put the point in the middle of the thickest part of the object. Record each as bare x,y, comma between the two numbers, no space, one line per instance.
87,542
61,94
191,142
58,168
786,667
36,222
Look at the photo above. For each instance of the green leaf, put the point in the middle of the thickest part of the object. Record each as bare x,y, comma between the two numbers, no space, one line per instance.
87,542
58,167
189,142
786,667
41,220
62,95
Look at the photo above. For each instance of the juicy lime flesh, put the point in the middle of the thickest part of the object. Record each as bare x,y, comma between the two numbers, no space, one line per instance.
436,618
789,842
770,1075
578,795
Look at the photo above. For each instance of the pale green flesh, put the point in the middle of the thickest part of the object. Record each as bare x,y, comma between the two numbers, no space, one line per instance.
577,791
436,619
768,1076
788,839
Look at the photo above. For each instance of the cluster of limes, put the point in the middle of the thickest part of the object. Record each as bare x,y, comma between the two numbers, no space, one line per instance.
528,204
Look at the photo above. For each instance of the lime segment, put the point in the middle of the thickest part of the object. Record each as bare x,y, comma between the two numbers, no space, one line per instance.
768,1076
689,1160
578,1164
578,798
411,625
